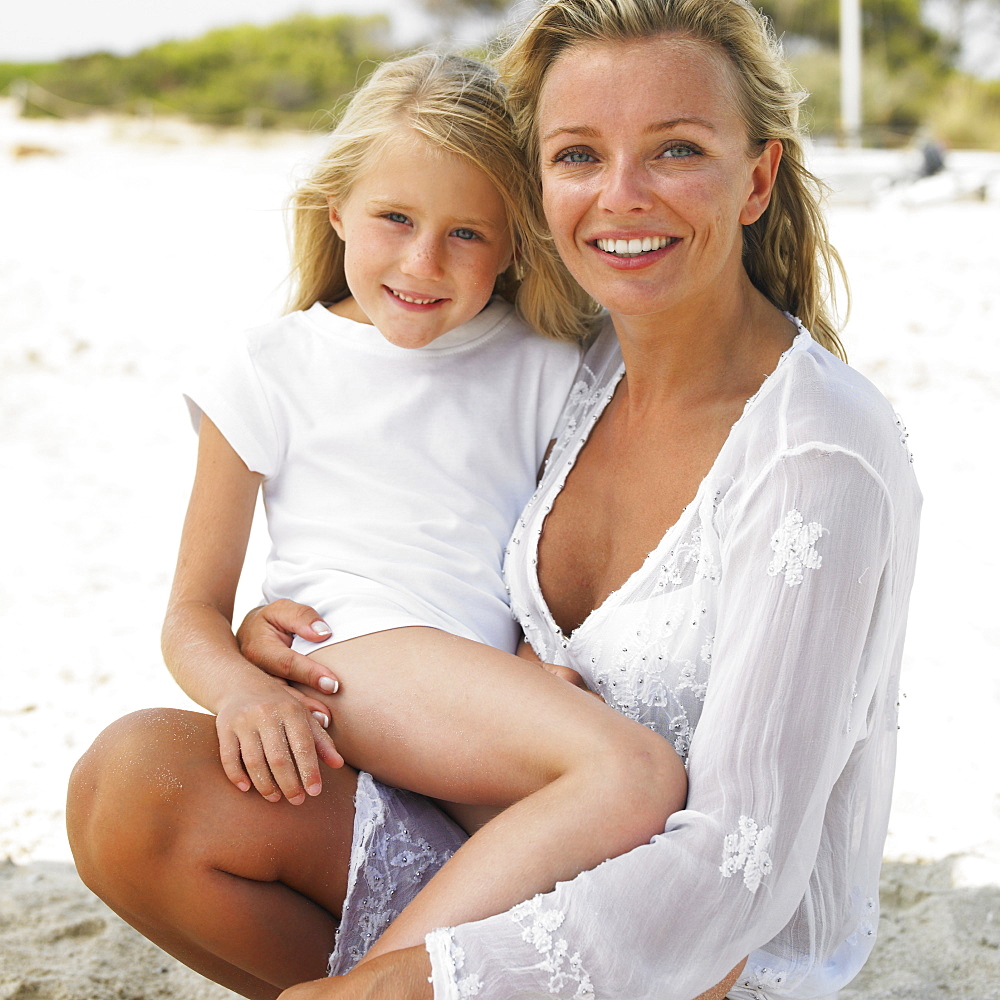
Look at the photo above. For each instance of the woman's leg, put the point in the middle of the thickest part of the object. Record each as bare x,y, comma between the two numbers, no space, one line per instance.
244,891
462,722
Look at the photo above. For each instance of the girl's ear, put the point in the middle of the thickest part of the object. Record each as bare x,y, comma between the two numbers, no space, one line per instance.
335,220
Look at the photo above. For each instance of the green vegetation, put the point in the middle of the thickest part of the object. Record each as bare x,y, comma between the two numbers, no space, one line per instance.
283,74
287,74
908,77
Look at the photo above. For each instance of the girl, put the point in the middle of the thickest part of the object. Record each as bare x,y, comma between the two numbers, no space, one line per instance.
395,422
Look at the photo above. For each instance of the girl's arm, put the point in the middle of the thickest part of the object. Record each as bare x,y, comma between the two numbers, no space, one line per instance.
267,736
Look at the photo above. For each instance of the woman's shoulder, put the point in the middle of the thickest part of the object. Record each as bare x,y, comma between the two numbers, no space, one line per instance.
813,399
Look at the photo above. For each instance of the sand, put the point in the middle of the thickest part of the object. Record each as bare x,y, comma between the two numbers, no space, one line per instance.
125,247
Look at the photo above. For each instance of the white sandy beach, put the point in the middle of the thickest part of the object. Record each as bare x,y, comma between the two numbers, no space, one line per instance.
125,249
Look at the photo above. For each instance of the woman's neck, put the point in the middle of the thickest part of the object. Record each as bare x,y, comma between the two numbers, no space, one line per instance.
701,351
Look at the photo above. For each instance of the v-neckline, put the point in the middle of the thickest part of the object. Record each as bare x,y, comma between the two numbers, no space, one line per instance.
568,460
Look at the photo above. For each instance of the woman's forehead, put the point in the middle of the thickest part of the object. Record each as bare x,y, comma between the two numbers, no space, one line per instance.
646,81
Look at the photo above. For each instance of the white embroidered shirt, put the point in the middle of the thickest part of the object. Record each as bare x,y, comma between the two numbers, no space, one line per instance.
762,637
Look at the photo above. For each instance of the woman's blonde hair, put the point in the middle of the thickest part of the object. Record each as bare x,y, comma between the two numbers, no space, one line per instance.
458,105
786,252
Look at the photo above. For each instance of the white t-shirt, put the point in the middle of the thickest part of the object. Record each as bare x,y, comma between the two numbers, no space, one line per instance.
392,476
762,636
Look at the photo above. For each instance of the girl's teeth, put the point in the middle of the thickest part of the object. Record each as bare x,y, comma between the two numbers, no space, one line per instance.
416,302
633,247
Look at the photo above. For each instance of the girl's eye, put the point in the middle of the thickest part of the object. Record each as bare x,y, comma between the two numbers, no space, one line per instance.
574,156
466,234
397,217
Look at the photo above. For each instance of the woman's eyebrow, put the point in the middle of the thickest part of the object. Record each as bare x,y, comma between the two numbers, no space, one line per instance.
588,131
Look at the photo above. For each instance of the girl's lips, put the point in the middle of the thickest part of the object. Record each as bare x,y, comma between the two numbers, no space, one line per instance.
409,300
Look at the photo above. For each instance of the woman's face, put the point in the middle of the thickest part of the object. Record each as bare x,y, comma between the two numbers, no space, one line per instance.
646,179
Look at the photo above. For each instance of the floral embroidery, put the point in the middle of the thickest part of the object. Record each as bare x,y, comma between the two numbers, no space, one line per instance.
466,986
538,929
687,553
747,850
794,547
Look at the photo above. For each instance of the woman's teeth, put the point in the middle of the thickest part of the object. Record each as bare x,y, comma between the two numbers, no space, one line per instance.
632,248
416,302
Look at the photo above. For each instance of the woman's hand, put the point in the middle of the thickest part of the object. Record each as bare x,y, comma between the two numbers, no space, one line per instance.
265,639
271,740
397,975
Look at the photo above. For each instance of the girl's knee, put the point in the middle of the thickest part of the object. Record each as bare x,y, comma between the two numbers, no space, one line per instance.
647,772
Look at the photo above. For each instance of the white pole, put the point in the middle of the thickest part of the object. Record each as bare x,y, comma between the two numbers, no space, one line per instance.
850,71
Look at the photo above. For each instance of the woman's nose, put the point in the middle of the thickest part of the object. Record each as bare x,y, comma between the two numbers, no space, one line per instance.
625,189
424,258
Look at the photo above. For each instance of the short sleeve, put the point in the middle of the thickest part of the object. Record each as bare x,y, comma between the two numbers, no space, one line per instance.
233,395
780,770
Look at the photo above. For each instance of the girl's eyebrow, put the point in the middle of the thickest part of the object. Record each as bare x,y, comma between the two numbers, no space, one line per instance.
588,131
384,205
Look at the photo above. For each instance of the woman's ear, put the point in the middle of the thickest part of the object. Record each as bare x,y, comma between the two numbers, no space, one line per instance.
335,220
763,172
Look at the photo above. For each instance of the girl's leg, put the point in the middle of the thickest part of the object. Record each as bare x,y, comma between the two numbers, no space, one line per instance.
244,891
462,722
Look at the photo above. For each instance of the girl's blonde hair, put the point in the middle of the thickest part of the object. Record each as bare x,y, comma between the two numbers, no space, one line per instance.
458,105
786,252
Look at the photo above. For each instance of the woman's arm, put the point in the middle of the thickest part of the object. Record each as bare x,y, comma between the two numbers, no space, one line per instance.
789,773
267,736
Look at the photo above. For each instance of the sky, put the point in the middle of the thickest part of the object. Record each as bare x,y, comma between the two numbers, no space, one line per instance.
44,30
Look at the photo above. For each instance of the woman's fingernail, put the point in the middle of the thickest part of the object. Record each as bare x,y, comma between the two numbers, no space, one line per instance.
243,786
315,789
321,628
328,684
323,720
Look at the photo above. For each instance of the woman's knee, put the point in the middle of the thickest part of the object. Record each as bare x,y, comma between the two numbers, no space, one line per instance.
127,793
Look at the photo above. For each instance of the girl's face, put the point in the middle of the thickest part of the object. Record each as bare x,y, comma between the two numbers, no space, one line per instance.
425,235
646,178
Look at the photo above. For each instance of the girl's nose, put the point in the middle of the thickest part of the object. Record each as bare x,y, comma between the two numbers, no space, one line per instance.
424,259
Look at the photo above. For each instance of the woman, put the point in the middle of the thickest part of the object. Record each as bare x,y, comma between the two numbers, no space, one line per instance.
733,574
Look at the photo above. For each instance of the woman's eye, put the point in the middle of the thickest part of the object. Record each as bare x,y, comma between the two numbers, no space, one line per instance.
679,152
466,234
574,156
397,217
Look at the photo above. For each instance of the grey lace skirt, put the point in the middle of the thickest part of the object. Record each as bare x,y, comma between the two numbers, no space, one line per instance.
400,841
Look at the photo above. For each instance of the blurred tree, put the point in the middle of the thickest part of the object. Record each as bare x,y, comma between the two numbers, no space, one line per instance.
454,9
284,73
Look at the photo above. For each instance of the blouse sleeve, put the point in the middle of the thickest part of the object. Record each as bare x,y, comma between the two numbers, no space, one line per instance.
800,649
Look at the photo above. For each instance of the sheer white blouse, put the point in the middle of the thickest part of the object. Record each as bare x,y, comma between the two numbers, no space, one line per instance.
763,638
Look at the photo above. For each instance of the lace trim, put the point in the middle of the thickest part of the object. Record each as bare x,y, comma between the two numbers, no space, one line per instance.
747,850
389,865
794,547
441,944
537,928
